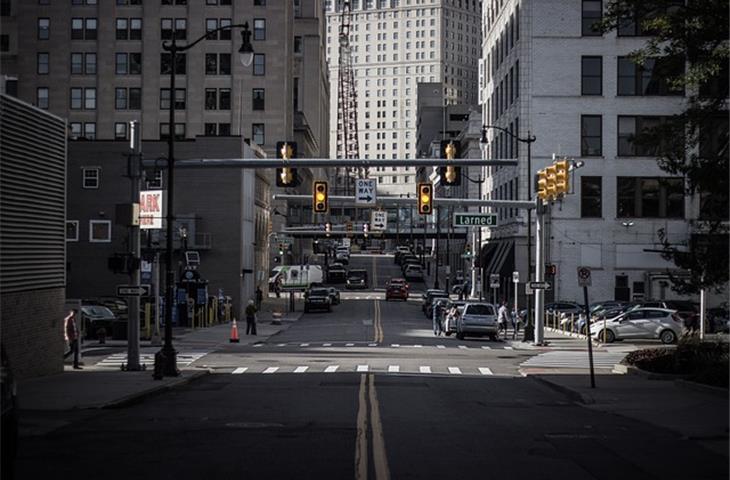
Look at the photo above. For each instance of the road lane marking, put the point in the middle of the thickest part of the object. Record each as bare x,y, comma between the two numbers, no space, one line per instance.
258,345
239,370
485,347
455,370
331,368
424,369
349,344
440,346
326,344
281,345
271,370
361,440
301,369
380,458
362,368
485,371
304,345
463,347
417,346
372,344
508,348
395,345
393,368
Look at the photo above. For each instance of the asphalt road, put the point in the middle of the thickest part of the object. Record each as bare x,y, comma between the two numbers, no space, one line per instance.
279,409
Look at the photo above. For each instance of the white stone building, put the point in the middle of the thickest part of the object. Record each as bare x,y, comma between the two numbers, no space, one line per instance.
397,44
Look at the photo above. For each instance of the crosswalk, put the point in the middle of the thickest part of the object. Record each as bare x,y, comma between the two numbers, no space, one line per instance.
568,359
494,346
362,368
118,359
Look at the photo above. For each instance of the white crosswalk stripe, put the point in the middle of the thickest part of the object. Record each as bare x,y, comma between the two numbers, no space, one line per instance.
507,347
304,345
393,368
239,370
331,368
486,347
455,370
116,360
463,347
281,345
349,344
326,344
300,369
571,359
485,371
392,345
424,369
362,368
440,346
271,370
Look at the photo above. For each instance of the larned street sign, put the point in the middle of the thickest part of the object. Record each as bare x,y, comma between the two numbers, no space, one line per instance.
379,220
466,219
584,277
133,290
365,191
540,285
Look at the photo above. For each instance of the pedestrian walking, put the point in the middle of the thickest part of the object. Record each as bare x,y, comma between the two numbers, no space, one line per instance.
259,297
72,333
515,323
277,286
438,309
502,317
251,318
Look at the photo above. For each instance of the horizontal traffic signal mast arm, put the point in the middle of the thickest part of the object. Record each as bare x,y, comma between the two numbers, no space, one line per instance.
324,162
469,202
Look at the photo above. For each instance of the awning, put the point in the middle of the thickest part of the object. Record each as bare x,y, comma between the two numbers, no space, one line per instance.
499,256
487,253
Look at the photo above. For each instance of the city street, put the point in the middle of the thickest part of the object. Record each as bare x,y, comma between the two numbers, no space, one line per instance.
366,391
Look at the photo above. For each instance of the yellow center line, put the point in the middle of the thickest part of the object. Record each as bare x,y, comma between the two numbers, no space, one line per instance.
361,442
369,422
380,459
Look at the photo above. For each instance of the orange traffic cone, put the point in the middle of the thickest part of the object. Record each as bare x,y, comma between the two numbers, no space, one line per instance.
234,332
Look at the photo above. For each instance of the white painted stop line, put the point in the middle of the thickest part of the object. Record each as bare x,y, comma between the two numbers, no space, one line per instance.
424,369
239,370
394,368
300,369
485,371
331,368
271,370
455,370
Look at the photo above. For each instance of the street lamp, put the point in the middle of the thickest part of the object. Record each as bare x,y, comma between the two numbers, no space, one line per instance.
529,333
166,358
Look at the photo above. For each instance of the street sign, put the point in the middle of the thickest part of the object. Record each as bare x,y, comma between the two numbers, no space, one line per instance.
379,220
150,209
133,290
540,285
516,277
365,191
528,290
494,280
466,219
584,277
345,242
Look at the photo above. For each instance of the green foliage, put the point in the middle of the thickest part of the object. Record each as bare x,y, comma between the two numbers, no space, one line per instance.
698,31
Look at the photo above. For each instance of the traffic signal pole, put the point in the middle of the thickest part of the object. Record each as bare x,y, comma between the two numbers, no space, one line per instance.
539,273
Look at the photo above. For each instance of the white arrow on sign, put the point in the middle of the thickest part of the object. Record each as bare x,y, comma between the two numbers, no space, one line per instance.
133,290
379,220
365,191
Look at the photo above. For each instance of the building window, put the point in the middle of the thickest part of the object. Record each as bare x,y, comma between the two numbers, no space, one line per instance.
591,76
90,29
181,29
42,98
100,231
89,98
122,29
591,136
259,64
166,64
90,63
44,28
650,197
211,24
651,78
210,129
91,177
217,63
4,42
180,97
592,15
76,130
179,131
297,45
135,29
211,99
72,230
42,66
77,63
259,99
590,197
224,129
121,64
120,131
259,29
628,130
259,3
120,98
76,98
258,133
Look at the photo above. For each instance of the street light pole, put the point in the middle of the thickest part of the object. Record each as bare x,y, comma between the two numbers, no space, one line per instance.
166,358
529,140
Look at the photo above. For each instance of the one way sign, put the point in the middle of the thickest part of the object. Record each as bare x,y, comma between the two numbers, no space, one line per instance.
379,220
365,191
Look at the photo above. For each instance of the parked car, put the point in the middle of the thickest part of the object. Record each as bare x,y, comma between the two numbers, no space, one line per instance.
641,323
317,299
428,296
357,278
9,420
334,295
414,273
478,319
95,319
406,266
396,290
116,305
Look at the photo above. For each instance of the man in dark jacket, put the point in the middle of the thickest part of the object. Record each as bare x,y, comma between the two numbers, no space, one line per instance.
251,318
72,333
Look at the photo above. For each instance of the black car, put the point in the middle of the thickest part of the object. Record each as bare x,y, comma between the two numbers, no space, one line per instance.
317,299
357,278
9,441
97,321
336,274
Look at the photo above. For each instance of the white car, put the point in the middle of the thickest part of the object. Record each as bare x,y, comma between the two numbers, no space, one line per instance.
643,323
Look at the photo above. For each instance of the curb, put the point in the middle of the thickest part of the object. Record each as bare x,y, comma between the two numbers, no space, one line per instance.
138,397
574,335
700,387
568,392
633,370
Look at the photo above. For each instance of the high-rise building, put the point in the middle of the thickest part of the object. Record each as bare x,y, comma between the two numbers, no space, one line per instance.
545,72
397,44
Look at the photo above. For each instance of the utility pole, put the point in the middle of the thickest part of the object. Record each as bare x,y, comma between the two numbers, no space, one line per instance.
539,272
438,240
135,177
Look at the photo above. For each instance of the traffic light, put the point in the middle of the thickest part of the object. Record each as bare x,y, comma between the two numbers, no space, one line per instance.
450,175
542,183
365,229
286,176
425,198
562,177
281,249
328,228
320,197
550,172
551,269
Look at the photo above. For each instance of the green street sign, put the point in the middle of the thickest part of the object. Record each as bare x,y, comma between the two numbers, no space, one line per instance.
465,219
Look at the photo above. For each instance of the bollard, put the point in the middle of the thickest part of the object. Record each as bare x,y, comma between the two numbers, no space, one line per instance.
572,323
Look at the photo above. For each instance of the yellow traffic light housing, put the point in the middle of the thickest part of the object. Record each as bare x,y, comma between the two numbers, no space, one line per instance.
320,197
286,176
542,184
425,198
550,172
450,175
562,177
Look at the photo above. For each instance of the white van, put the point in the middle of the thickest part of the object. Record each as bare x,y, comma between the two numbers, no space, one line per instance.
300,276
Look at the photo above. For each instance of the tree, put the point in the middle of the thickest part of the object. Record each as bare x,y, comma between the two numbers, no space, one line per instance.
693,143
